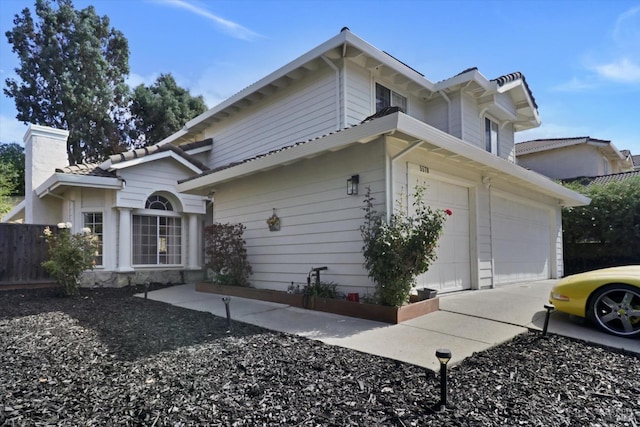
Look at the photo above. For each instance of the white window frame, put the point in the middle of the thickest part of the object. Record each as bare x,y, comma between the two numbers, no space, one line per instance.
491,145
160,239
100,235
392,102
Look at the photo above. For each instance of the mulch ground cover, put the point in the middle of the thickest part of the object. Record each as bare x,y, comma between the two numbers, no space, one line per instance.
108,358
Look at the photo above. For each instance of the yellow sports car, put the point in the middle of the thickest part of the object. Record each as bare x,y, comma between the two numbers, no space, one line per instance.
609,297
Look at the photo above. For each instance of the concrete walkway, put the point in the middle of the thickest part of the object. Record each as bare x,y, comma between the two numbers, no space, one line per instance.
467,322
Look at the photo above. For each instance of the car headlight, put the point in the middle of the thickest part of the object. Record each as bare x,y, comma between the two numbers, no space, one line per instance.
559,297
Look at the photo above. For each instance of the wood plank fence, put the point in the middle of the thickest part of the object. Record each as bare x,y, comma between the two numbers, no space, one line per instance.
22,251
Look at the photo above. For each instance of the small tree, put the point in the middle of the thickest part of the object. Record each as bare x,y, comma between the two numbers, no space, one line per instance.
226,254
69,256
398,251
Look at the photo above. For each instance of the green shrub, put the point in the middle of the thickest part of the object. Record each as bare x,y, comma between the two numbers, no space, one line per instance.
226,254
322,289
397,252
69,256
607,231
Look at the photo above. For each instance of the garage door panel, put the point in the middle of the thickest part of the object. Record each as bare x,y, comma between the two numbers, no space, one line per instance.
452,269
521,241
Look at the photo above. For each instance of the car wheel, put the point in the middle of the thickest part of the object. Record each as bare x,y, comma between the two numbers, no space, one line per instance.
616,310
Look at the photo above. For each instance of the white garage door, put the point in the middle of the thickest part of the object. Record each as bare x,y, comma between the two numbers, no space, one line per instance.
521,241
451,271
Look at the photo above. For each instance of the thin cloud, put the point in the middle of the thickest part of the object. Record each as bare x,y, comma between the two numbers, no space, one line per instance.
231,28
574,85
627,27
622,71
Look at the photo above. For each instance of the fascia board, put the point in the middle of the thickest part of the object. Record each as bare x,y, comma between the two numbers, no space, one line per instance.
332,142
154,157
419,130
473,75
62,179
15,211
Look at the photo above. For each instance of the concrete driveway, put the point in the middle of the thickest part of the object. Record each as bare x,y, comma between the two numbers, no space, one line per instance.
467,322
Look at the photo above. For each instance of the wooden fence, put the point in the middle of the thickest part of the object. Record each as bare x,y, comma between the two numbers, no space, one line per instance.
22,251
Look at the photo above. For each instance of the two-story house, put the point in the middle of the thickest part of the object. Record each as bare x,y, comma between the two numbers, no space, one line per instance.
304,143
566,158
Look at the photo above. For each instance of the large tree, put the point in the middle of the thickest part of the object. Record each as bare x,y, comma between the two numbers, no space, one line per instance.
12,168
162,109
71,76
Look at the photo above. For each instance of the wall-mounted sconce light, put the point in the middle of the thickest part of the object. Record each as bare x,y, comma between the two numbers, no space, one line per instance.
352,185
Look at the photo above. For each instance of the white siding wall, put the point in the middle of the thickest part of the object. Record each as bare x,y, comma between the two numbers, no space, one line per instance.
160,175
319,222
359,94
437,114
304,110
507,148
473,124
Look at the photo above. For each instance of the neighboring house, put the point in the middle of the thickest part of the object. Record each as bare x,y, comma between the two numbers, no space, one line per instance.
635,159
566,158
304,144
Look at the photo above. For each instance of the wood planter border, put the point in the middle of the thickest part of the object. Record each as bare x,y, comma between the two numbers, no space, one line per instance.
360,310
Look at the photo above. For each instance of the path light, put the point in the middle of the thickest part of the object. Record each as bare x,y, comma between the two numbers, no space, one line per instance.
226,301
550,309
443,355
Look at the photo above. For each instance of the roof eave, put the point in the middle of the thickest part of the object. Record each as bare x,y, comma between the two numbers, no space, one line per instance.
369,131
58,180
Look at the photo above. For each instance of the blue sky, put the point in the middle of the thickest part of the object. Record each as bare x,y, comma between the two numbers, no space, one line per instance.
580,58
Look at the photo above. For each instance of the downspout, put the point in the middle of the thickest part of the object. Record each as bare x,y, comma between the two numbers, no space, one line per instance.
337,71
391,159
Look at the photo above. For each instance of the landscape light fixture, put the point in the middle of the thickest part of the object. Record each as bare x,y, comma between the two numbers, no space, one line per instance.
352,185
226,301
444,356
550,309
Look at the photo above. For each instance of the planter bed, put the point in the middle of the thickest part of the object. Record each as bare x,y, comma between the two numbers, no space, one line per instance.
360,310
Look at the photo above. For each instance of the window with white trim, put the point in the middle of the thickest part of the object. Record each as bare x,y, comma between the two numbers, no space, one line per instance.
157,239
385,97
491,136
93,221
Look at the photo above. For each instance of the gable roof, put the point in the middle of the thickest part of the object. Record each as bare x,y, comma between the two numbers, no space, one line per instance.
348,45
540,145
140,153
402,126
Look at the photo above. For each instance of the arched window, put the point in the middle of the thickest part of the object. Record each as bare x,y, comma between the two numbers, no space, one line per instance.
157,237
158,203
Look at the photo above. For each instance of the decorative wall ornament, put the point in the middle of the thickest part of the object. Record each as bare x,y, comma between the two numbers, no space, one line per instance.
273,222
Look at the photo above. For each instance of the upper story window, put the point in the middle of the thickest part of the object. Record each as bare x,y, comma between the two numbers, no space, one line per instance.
491,136
605,166
385,97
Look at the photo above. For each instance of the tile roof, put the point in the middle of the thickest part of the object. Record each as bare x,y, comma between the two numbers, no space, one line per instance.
636,160
87,169
384,112
605,179
549,144
507,78
93,169
153,149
